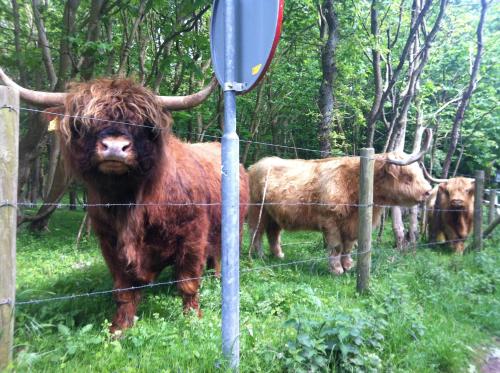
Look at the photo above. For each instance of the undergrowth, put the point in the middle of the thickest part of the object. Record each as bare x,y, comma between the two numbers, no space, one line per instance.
427,311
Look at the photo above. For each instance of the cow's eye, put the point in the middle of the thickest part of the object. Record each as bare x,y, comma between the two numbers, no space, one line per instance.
77,129
408,179
151,130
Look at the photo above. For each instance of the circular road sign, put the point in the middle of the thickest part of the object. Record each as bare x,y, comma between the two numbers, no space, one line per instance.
258,29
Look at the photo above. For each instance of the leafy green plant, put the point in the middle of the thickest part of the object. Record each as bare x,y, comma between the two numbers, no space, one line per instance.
346,341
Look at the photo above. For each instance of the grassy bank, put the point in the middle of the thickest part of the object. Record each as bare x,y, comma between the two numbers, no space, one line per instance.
427,311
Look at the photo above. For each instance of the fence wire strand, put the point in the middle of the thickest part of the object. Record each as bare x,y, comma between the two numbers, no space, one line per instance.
7,203
210,275
245,141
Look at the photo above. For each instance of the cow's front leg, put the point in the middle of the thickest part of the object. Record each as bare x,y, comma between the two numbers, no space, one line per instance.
458,247
346,259
334,250
126,305
189,270
126,300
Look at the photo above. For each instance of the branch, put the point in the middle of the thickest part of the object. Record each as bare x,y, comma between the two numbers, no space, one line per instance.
466,96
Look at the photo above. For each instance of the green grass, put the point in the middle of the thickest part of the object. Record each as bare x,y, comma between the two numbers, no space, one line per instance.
428,311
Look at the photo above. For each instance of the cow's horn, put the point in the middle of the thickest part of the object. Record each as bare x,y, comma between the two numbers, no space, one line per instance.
429,177
38,98
187,102
416,156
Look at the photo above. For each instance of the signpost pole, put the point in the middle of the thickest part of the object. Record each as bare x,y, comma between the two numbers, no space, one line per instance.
230,199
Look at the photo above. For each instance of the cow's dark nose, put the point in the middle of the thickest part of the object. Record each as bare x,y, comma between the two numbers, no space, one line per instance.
115,148
457,203
427,194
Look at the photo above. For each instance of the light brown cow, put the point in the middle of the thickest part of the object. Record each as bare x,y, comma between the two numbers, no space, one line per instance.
320,195
451,207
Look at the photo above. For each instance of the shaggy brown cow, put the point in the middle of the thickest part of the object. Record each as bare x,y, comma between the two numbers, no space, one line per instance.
450,210
164,194
318,195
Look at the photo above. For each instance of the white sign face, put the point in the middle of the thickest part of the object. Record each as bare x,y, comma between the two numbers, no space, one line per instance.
258,29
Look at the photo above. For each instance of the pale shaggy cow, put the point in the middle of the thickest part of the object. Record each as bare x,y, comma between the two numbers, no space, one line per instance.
320,195
451,210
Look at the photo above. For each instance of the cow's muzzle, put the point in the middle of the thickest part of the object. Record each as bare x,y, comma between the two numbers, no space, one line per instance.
114,154
457,203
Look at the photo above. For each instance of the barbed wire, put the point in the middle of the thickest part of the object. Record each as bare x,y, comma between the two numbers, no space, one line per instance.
164,283
246,141
242,271
183,131
7,203
193,133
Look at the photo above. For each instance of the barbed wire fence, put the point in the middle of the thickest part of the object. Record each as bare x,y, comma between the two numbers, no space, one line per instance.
9,206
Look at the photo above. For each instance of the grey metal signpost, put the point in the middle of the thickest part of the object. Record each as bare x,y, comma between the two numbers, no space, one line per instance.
230,199
243,37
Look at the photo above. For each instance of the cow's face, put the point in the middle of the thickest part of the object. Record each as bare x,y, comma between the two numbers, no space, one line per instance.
457,193
402,185
113,128
116,149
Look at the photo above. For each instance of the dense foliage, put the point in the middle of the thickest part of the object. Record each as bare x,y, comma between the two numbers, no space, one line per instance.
166,45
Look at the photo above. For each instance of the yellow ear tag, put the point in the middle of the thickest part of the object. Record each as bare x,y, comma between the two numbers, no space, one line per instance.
256,69
52,125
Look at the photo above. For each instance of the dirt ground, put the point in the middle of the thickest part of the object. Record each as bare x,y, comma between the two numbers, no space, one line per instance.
492,361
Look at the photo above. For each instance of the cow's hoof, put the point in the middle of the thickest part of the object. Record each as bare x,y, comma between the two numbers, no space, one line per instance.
337,269
280,255
115,333
347,263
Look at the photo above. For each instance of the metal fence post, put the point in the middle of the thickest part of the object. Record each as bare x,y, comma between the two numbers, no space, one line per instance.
230,199
492,207
365,219
9,140
478,210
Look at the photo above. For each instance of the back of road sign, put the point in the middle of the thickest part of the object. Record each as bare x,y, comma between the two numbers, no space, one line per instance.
258,29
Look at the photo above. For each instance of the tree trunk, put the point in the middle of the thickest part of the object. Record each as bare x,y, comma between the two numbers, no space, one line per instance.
255,122
54,154
30,147
87,62
43,44
72,198
65,54
35,181
377,76
329,70
17,43
131,36
464,103
59,185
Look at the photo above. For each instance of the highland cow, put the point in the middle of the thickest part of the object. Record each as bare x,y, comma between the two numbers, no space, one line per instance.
450,211
321,195
154,200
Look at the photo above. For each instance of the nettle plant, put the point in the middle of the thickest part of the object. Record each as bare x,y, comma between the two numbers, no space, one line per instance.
343,342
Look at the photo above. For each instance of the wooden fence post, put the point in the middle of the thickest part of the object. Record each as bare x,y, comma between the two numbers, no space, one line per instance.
478,210
9,143
365,219
492,207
